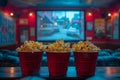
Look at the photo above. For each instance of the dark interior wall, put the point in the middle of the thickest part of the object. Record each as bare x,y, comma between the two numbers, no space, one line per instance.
3,3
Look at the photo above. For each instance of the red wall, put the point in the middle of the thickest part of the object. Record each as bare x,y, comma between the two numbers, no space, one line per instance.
97,13
24,13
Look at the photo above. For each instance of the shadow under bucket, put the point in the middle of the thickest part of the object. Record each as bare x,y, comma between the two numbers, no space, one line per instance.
30,63
85,63
58,63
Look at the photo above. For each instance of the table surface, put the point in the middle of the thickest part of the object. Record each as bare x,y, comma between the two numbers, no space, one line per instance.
102,73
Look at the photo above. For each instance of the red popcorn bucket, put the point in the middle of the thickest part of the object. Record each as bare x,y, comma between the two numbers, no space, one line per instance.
58,63
85,63
30,62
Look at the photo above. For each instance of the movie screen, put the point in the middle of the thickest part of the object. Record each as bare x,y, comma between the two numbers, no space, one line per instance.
56,25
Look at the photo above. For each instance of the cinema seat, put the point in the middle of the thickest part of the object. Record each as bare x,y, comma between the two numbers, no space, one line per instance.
106,57
116,55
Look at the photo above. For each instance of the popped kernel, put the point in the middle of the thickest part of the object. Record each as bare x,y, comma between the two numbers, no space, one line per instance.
84,46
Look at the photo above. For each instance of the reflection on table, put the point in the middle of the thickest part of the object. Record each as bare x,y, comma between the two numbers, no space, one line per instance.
102,73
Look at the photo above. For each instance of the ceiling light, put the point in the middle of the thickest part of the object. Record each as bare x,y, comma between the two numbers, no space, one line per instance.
11,14
89,14
109,14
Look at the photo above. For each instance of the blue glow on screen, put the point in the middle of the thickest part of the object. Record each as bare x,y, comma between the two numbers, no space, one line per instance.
56,25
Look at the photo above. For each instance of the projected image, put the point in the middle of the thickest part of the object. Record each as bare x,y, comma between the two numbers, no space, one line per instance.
56,25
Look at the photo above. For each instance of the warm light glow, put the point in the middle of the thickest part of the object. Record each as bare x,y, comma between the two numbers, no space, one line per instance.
116,14
89,1
89,14
12,70
11,14
30,14
109,14
6,14
110,70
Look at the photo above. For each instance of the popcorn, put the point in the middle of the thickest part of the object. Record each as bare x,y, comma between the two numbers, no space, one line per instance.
31,46
58,46
84,46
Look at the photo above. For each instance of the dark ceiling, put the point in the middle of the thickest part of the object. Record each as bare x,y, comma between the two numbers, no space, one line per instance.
62,3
